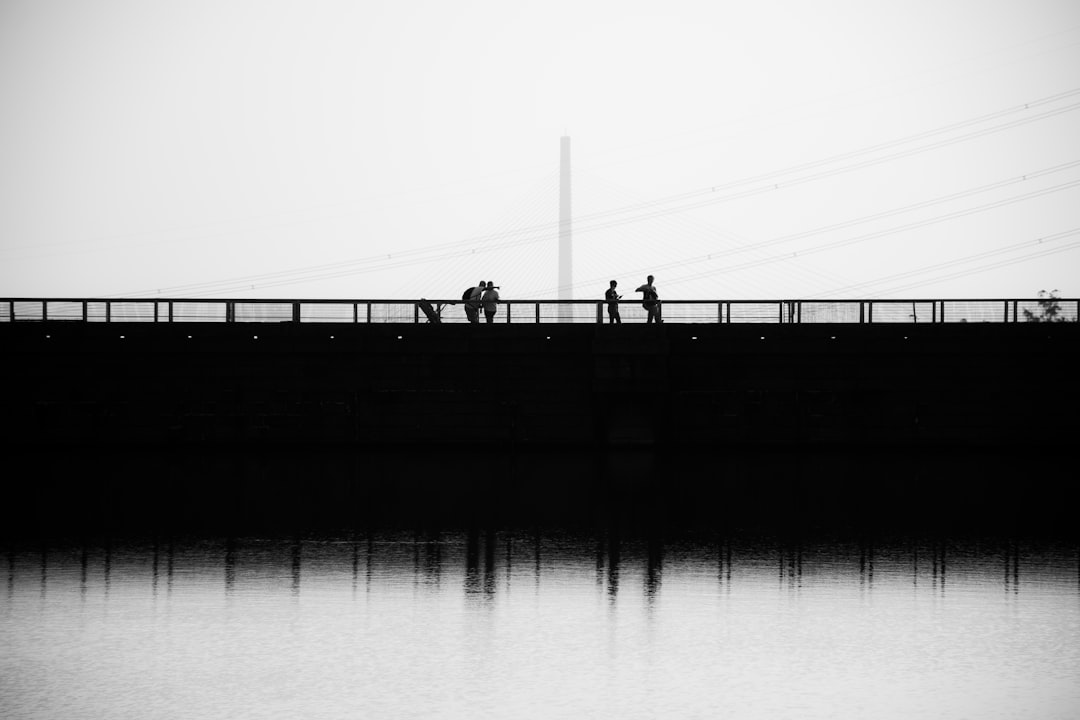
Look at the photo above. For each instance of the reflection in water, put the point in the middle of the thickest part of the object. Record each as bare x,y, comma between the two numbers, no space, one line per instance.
297,550
738,643
486,556
156,574
480,580
1012,567
230,564
790,562
631,586
613,566
654,569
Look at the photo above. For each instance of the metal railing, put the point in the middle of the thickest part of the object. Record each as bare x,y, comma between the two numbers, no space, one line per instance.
531,311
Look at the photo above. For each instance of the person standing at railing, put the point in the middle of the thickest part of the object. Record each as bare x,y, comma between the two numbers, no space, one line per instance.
491,301
650,301
613,303
472,302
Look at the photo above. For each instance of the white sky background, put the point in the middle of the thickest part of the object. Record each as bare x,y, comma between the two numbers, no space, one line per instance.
405,149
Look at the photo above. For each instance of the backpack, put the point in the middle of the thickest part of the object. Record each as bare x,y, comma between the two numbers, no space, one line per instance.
468,293
650,299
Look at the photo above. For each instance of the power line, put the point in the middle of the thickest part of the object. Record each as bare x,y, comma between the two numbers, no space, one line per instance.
877,216
884,233
958,261
607,219
984,268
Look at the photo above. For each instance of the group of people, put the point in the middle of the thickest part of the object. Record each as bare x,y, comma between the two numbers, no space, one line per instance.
486,296
649,300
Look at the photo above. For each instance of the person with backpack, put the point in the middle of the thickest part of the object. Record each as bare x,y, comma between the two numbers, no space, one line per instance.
472,301
650,301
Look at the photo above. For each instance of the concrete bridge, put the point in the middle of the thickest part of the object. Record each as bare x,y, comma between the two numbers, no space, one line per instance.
863,373
235,416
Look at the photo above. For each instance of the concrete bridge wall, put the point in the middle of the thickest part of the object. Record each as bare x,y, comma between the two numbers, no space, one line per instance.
989,385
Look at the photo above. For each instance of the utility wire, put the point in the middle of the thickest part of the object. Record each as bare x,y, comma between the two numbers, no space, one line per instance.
952,263
884,233
608,219
869,218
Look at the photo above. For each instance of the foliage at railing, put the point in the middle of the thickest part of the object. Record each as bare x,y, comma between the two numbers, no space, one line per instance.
1050,309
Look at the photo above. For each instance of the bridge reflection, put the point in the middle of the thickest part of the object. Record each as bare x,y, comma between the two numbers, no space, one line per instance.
484,564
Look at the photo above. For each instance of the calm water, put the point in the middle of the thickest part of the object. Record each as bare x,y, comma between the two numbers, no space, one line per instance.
548,625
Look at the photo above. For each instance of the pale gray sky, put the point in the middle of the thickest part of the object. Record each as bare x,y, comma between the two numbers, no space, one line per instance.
772,149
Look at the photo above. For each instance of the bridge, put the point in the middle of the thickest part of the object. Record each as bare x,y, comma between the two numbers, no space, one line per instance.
734,372
850,405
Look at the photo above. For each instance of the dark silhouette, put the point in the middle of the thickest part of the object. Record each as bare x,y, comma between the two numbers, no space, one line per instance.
613,303
1050,309
472,302
433,315
491,301
650,301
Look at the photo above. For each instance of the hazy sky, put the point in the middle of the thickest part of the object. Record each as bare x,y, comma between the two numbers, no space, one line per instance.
768,149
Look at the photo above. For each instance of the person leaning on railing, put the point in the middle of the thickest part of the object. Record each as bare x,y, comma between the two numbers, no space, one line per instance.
491,301
472,302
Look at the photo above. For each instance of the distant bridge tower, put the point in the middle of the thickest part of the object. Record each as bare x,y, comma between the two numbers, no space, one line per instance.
566,277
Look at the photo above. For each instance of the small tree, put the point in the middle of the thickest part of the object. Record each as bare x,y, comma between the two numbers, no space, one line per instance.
1049,306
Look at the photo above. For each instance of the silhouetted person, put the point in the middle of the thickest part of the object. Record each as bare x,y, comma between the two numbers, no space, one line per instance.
613,303
650,301
491,301
433,315
472,302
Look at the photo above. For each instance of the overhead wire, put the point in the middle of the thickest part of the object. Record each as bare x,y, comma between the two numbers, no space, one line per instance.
462,268
719,254
684,226
1042,241
889,231
745,265
836,171
596,221
986,268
